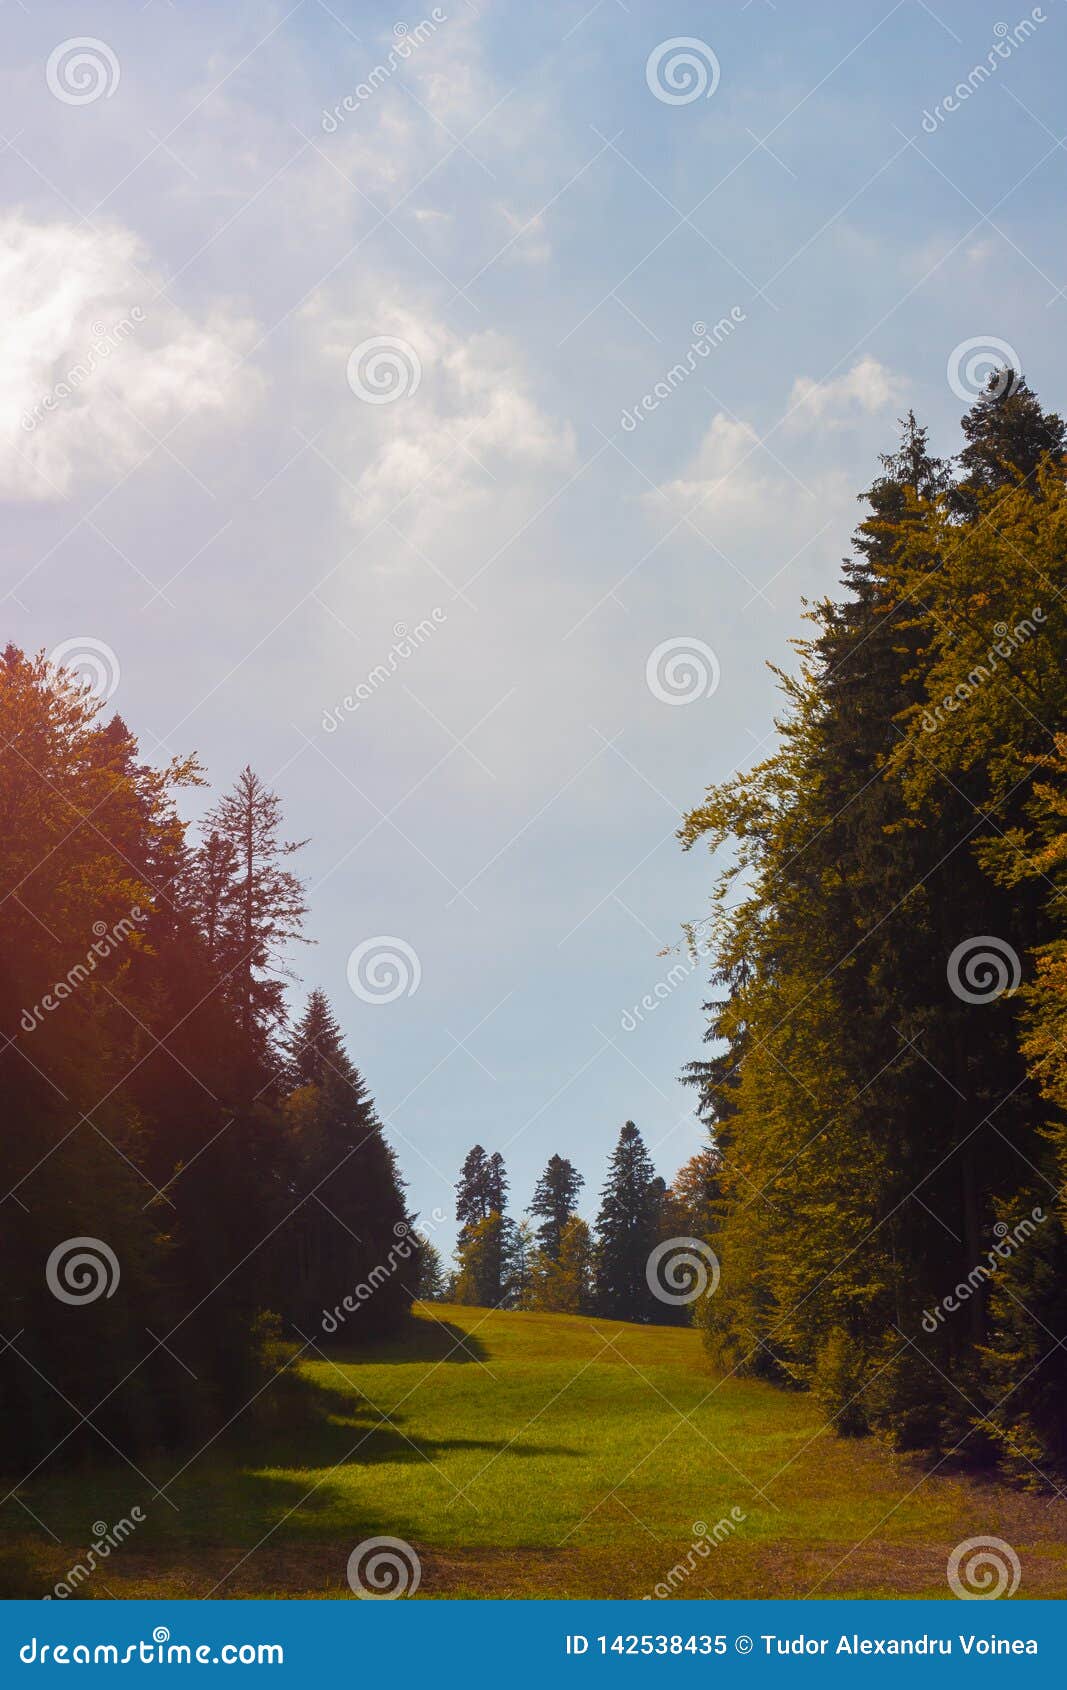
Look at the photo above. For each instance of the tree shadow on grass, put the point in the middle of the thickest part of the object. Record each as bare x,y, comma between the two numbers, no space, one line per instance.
325,1425
426,1339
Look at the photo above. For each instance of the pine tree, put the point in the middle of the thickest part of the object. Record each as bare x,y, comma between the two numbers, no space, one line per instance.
1009,436
519,1252
433,1285
472,1191
349,1225
496,1184
262,907
626,1230
554,1200
482,1188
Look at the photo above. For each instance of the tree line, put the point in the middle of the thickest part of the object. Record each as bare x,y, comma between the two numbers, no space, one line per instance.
887,1079
550,1259
189,1174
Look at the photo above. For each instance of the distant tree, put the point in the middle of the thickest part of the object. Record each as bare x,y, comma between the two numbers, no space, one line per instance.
689,1202
480,1259
481,1190
518,1263
496,1184
433,1284
627,1227
472,1191
554,1200
565,1284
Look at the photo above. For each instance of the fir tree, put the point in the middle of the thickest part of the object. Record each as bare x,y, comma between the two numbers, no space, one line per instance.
554,1200
626,1230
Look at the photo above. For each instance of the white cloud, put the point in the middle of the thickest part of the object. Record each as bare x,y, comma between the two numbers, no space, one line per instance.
728,476
776,526
868,387
437,445
93,355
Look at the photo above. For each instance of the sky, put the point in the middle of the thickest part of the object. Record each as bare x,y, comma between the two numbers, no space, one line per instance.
448,412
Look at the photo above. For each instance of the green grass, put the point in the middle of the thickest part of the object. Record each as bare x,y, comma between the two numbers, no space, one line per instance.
533,1455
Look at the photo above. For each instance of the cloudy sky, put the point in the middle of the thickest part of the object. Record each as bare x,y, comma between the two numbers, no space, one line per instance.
447,413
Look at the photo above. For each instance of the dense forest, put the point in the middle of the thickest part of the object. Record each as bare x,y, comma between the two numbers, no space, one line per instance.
887,1077
165,1121
879,1213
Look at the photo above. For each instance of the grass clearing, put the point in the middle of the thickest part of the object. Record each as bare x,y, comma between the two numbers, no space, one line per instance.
532,1455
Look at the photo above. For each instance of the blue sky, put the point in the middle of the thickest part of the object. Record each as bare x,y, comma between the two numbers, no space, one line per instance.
229,532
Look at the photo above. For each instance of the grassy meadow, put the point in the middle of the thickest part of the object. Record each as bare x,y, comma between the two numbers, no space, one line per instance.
527,1455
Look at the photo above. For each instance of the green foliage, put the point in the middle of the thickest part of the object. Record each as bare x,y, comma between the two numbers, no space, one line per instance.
152,1105
873,1122
553,1203
627,1228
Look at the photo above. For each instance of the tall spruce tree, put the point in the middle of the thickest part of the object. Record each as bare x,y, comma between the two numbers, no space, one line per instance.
554,1200
473,1202
348,1227
626,1230
262,906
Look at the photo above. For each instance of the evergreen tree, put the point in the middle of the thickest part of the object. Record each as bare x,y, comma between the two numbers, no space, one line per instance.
433,1281
554,1200
482,1188
626,1230
473,1202
518,1264
348,1225
1009,436
261,908
496,1184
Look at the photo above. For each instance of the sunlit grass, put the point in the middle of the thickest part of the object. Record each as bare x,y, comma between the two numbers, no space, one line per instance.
528,1454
